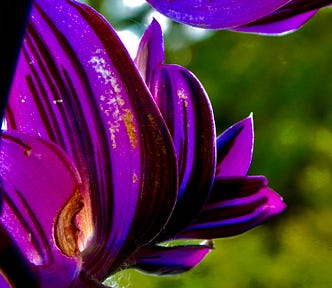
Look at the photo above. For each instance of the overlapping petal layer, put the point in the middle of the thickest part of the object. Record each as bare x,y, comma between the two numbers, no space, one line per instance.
93,103
263,17
189,118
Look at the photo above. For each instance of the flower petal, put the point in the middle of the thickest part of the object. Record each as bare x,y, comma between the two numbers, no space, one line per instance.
38,209
93,103
161,260
234,149
150,53
236,205
286,19
216,14
189,118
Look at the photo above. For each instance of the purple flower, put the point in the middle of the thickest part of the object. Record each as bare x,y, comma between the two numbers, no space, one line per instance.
255,16
98,168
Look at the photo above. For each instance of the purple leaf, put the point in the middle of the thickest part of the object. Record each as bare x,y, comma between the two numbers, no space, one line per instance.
170,260
188,114
234,149
93,103
236,205
42,196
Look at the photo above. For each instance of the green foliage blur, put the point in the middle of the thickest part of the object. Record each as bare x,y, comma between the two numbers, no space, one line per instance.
287,83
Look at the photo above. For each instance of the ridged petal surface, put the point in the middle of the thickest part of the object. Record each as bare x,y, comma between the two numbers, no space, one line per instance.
77,86
188,114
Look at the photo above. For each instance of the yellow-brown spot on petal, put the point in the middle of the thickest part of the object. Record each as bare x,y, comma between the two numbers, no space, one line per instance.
135,178
65,230
27,152
183,97
130,126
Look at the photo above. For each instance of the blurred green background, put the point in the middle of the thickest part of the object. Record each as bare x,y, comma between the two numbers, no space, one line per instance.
287,83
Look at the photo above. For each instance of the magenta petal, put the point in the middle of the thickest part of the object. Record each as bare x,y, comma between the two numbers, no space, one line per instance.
39,182
161,260
217,14
236,205
94,104
234,149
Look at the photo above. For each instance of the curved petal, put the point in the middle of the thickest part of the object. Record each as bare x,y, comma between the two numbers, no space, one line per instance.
216,14
235,148
188,114
39,210
288,18
150,53
161,260
236,205
93,103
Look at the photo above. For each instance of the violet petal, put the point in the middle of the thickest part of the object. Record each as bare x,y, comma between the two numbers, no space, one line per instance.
93,103
38,209
188,114
288,18
234,149
171,260
236,205
216,14
150,53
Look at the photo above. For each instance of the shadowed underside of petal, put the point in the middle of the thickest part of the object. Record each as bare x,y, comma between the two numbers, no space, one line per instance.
161,260
93,103
286,19
38,180
16,269
236,205
216,14
234,149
